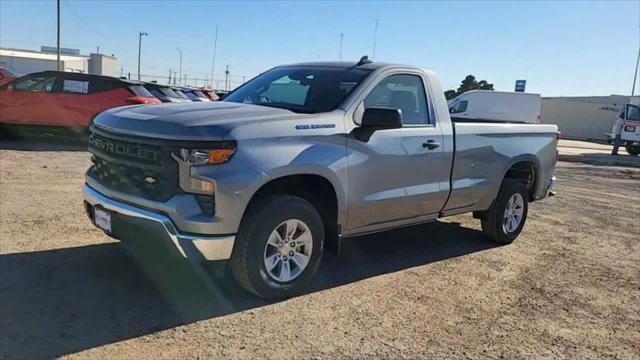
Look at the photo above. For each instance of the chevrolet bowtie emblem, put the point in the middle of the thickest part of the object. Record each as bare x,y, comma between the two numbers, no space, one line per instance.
150,180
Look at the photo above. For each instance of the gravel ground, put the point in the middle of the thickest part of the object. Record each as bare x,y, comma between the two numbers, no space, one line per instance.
569,287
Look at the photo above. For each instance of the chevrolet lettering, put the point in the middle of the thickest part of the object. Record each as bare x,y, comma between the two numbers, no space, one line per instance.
122,149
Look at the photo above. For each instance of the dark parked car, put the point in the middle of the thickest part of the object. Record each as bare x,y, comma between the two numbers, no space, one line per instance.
65,99
195,94
180,93
164,93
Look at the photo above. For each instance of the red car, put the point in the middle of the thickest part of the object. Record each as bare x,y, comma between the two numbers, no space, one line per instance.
64,99
6,75
210,94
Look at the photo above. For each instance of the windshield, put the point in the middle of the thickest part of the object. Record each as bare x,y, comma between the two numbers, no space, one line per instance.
8,72
170,93
140,91
199,94
304,89
180,94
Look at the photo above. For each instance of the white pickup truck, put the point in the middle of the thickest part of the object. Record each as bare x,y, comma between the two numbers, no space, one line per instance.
301,157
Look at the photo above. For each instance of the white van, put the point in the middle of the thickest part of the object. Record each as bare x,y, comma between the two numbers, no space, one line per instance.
496,106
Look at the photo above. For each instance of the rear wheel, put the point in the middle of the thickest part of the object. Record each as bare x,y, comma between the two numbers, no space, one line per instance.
279,246
633,150
505,219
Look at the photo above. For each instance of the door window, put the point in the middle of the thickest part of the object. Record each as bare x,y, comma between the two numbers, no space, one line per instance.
404,92
35,83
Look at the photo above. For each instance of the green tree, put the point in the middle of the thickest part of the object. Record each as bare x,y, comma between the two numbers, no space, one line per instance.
469,83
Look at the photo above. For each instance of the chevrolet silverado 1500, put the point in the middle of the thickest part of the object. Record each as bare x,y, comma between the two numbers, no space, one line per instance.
301,157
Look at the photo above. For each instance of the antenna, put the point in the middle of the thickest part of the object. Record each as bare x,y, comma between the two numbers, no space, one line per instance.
364,60
375,37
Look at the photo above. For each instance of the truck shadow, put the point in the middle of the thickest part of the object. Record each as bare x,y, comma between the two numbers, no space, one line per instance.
67,300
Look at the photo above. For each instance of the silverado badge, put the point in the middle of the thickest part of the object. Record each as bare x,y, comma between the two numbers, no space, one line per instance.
150,180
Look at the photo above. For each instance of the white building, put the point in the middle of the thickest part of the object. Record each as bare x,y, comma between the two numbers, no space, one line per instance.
28,61
583,117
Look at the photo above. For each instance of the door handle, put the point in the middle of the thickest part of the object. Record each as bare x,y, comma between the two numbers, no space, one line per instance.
431,144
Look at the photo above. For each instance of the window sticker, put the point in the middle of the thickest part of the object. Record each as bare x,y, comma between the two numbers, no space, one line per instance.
75,86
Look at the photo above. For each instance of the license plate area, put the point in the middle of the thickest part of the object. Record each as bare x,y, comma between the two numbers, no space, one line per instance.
102,218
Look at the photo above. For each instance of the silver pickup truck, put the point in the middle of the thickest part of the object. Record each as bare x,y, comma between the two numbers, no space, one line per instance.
302,156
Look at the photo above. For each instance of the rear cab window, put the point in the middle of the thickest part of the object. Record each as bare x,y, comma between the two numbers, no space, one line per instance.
633,113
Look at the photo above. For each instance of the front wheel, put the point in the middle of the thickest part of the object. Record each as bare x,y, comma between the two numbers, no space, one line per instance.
279,246
506,217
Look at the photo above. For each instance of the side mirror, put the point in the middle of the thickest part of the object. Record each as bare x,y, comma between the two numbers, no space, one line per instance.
377,119
382,118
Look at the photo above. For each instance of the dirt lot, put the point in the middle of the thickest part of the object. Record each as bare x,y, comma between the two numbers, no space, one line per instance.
569,287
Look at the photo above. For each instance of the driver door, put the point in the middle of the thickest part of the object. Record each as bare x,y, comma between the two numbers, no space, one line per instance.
395,176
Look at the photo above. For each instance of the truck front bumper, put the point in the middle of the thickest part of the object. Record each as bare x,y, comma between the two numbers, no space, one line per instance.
130,223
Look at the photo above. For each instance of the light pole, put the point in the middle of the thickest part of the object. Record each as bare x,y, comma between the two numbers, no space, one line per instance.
226,79
140,50
213,63
341,38
59,65
180,73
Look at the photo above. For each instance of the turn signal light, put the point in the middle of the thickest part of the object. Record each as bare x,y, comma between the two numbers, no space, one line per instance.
219,156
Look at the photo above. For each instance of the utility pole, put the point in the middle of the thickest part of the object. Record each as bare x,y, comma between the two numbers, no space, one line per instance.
58,36
185,80
180,52
635,75
375,37
121,71
341,38
175,76
140,35
169,82
226,79
215,47
98,50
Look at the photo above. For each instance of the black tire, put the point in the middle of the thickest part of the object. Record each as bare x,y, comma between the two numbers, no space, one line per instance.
247,260
633,150
492,224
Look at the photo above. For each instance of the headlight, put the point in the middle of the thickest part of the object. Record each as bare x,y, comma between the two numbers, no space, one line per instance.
219,153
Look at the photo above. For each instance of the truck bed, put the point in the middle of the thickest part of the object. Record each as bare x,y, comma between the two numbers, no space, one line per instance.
485,151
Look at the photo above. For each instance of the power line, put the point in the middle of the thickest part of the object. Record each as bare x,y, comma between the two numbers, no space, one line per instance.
75,13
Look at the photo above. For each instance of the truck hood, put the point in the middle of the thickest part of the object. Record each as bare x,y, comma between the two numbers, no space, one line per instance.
188,121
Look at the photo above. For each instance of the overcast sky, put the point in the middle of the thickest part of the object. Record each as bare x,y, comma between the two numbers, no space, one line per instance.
560,48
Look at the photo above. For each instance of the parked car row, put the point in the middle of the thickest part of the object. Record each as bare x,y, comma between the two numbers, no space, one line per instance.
71,100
